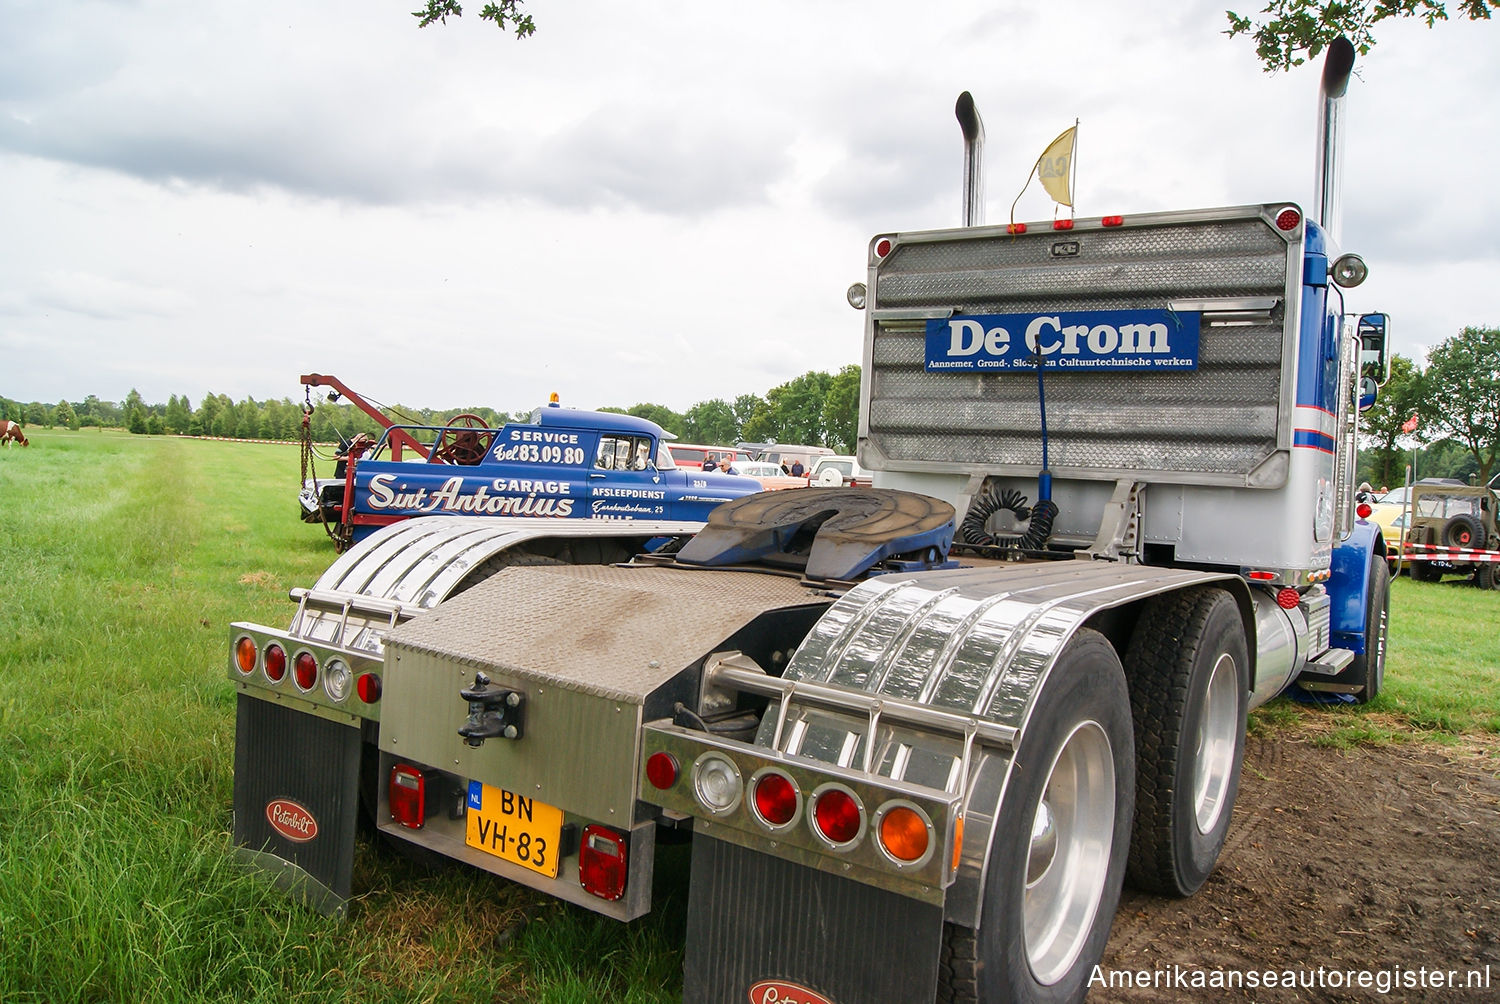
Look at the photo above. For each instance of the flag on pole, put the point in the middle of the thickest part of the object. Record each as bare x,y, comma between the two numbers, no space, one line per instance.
1410,425
1054,167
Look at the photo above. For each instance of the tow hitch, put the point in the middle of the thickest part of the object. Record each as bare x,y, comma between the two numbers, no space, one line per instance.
494,713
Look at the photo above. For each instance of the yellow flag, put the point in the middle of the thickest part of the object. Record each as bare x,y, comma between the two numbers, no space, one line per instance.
1055,167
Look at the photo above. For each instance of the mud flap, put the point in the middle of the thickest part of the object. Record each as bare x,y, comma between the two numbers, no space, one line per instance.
756,921
296,800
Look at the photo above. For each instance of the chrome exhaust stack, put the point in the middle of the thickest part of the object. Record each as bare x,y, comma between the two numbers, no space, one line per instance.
1327,207
973,130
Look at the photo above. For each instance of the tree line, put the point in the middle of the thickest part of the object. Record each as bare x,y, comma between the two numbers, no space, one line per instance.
1446,415
814,409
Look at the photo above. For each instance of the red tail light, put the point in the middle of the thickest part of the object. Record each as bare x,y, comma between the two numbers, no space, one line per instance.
1363,510
407,796
838,814
368,687
275,663
244,655
882,247
1062,224
776,798
603,859
1112,221
1288,598
1288,219
661,770
1016,228
305,670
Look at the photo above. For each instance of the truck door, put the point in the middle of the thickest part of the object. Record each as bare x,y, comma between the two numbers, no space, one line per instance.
624,482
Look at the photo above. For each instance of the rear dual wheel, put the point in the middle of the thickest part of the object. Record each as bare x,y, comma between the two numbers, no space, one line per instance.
1057,859
1188,666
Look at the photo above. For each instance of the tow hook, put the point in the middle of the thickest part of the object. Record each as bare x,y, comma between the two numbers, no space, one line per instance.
494,713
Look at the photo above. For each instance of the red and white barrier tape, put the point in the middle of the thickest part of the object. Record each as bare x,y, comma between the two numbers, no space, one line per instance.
1456,555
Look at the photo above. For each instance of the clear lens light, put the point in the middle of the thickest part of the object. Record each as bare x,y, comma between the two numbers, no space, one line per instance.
336,679
856,296
1350,270
718,784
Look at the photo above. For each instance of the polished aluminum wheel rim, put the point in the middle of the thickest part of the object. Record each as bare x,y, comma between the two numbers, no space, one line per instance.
1214,747
1068,856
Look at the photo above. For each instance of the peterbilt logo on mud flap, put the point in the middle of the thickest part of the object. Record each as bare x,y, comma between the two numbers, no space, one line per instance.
784,992
291,820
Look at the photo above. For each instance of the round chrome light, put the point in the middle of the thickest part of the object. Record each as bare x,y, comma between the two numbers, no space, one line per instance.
856,296
717,783
336,679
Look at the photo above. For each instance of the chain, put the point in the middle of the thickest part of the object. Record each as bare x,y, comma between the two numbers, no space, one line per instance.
309,473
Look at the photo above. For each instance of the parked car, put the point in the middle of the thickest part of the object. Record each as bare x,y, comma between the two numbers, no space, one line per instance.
838,471
768,474
787,454
690,456
1393,521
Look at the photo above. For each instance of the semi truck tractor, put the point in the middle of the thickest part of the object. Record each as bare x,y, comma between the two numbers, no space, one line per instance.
919,735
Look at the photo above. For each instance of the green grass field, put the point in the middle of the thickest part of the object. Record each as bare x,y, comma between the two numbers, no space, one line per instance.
123,560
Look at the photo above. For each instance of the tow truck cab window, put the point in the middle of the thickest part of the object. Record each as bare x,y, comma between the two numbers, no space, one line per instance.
623,453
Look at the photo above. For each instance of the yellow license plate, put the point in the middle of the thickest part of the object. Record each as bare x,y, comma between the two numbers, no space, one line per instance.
523,831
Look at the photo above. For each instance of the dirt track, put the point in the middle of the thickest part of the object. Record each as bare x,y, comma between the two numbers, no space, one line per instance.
1350,860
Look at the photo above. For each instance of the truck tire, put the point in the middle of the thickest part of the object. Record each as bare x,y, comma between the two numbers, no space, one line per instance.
1189,671
1485,576
1463,530
1057,861
1368,668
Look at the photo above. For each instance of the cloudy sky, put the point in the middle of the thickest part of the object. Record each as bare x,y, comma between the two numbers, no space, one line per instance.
661,200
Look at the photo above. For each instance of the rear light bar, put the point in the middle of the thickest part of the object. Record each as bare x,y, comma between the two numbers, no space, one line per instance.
264,661
891,833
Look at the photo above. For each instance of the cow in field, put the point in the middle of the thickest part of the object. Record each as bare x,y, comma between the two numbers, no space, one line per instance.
10,432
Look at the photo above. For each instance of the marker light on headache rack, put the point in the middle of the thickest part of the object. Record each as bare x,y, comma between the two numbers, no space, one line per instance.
1287,219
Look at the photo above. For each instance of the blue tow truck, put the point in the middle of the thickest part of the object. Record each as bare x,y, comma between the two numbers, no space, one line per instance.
562,463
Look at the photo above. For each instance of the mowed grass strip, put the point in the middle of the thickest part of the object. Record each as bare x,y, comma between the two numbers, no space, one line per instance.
124,559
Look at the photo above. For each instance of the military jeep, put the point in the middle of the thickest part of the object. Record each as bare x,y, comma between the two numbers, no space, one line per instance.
1449,519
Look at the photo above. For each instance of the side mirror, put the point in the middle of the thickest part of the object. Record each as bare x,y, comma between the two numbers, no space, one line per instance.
1374,359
